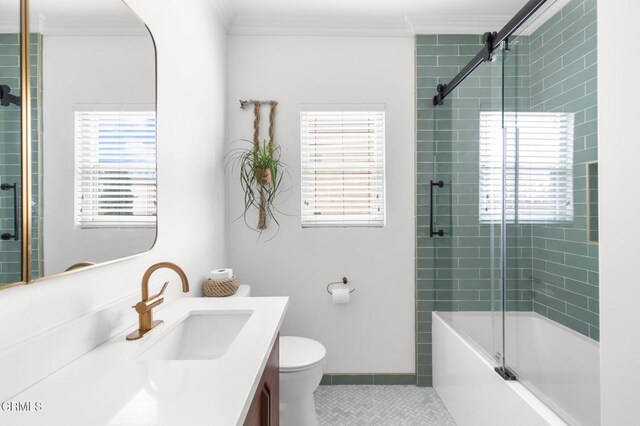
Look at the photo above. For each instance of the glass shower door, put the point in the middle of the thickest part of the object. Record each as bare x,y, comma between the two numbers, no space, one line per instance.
552,325
10,147
466,207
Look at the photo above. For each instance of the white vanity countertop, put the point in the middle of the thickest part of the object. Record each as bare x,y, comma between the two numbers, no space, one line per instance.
108,386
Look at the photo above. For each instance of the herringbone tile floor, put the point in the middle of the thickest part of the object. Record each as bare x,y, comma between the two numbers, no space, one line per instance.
380,406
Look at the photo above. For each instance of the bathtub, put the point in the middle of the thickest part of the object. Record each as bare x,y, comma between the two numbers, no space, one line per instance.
558,371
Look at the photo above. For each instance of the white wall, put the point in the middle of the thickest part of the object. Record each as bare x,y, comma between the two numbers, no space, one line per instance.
375,333
99,71
192,229
619,154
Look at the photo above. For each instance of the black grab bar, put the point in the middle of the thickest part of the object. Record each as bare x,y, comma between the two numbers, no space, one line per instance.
7,235
439,232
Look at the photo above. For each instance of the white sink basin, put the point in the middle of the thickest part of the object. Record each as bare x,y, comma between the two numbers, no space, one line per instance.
202,335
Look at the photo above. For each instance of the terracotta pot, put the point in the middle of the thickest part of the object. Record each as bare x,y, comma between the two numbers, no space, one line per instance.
264,176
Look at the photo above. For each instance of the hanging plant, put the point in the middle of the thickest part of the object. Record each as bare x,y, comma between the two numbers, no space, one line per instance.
261,171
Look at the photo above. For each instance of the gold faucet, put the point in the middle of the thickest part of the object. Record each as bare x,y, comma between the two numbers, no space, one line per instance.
144,308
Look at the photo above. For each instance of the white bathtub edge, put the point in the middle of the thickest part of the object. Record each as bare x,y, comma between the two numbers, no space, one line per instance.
471,390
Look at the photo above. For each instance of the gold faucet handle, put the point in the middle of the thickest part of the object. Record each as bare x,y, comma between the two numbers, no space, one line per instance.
146,305
164,287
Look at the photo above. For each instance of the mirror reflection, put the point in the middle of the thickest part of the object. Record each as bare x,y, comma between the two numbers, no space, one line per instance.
94,135
10,156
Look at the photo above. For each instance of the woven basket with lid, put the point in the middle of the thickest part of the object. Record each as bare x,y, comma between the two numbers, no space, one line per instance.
220,288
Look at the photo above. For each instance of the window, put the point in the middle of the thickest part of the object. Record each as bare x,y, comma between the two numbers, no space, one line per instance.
539,167
115,169
342,168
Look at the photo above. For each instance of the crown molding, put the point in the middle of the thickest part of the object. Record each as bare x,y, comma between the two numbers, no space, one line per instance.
400,26
457,24
36,23
543,17
93,26
320,26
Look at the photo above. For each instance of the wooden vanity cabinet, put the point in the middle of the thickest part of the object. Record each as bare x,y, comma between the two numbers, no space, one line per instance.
265,407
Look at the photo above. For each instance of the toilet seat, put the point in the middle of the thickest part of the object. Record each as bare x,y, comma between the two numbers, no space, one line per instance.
299,353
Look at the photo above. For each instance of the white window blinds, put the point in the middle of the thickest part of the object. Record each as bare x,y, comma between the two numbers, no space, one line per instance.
342,168
115,169
539,166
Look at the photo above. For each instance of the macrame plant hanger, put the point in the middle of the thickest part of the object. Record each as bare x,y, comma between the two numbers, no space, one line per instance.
262,209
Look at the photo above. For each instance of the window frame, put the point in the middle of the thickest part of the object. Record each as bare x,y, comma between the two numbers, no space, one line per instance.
111,221
378,169
511,129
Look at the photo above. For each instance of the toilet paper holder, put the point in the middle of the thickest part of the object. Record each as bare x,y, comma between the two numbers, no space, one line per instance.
344,281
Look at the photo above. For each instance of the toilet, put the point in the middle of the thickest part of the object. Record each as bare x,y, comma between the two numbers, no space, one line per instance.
301,368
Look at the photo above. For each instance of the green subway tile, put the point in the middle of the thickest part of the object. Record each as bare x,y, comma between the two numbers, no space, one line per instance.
540,309
581,103
582,288
423,349
424,61
423,338
424,380
442,284
584,315
568,247
423,316
549,300
572,298
567,271
326,380
580,50
572,323
575,235
480,305
460,61
426,39
445,305
519,305
591,86
564,73
469,50
424,359
425,306
426,293
457,295
457,39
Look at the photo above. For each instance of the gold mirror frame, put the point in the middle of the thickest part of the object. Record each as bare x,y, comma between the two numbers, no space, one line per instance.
26,165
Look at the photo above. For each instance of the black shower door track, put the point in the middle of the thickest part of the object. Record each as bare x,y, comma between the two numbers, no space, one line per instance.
491,41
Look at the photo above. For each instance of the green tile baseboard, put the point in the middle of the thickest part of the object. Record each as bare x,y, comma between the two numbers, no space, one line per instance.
368,379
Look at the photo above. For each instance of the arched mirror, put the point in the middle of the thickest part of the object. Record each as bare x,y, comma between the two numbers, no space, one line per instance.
93,137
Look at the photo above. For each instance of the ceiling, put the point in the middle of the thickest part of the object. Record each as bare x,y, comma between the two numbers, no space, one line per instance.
68,7
287,17
377,8
80,17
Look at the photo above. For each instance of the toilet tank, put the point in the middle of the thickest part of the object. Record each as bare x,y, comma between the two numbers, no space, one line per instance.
243,291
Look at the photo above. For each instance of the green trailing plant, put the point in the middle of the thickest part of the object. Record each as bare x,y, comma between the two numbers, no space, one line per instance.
261,173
